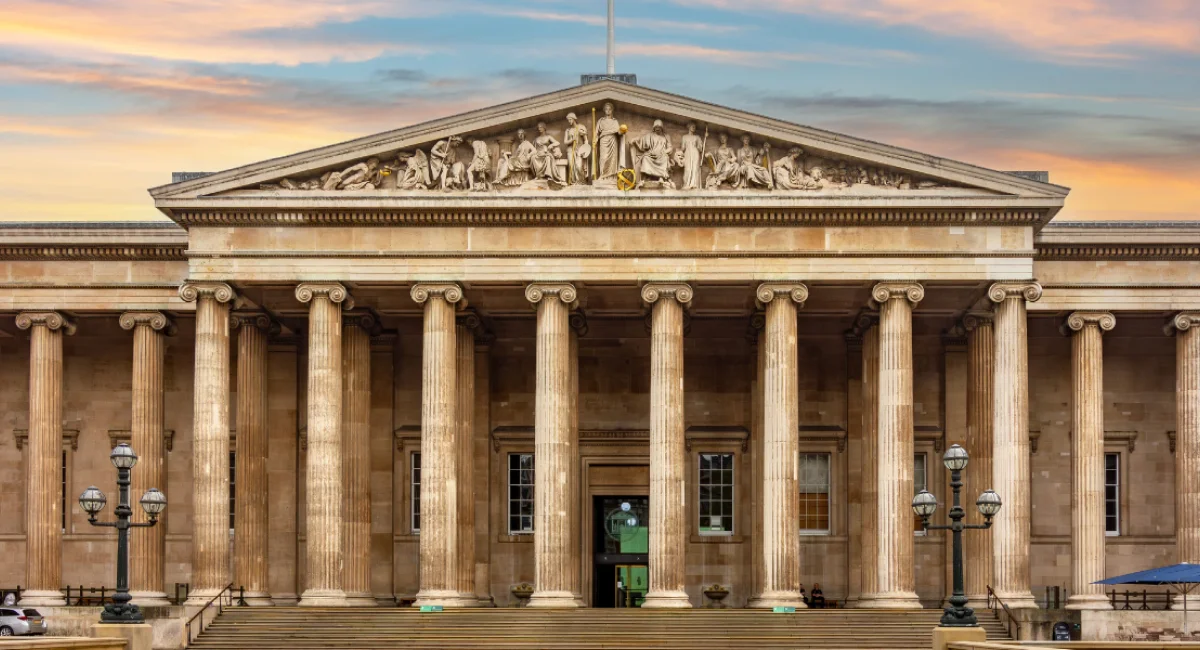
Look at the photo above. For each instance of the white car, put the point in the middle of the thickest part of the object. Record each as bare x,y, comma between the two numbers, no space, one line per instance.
21,622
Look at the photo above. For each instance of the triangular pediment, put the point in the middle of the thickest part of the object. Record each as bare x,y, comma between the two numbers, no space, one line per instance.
529,147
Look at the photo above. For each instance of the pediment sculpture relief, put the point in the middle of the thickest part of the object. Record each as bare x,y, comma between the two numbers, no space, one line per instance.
606,155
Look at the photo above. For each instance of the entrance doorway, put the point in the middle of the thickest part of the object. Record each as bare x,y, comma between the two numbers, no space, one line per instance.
622,551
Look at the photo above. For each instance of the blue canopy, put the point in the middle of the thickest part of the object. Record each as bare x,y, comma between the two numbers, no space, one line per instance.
1175,574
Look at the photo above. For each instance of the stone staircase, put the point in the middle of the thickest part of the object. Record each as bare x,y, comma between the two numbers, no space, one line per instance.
290,628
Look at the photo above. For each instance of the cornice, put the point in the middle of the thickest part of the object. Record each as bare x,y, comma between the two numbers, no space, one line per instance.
70,438
117,436
93,253
1117,252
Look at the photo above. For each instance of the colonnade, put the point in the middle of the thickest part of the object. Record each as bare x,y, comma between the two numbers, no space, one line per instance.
338,493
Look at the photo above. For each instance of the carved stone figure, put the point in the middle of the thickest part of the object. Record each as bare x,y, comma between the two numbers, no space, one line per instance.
789,175
416,171
547,153
750,170
516,166
363,176
652,157
579,151
725,167
608,144
444,167
818,180
480,168
690,157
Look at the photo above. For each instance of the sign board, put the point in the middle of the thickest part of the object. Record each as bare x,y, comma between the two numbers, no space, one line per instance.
1062,631
431,608
784,610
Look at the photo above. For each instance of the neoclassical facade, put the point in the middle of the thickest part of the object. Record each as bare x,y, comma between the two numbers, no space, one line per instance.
609,343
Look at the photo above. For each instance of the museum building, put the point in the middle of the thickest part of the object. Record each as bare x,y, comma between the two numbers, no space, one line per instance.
603,347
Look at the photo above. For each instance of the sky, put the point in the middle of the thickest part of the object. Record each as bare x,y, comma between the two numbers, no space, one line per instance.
102,99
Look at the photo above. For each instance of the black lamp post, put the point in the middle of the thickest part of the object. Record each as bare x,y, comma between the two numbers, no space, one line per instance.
153,502
924,504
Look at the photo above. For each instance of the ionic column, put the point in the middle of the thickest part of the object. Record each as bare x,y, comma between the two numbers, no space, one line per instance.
1186,327
781,460
439,449
1010,431
146,545
251,514
896,585
869,526
1087,458
323,480
668,456
357,329
981,352
579,327
554,455
43,458
464,456
210,440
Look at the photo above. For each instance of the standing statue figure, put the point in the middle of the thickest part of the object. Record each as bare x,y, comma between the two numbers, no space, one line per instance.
480,168
547,153
516,167
416,171
750,170
608,144
579,151
652,157
725,166
789,174
690,157
447,172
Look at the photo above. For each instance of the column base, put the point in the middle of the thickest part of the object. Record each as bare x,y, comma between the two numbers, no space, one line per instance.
1088,601
861,601
773,599
200,597
896,600
553,600
258,599
42,598
150,599
285,600
667,600
361,600
1018,599
944,636
323,598
445,598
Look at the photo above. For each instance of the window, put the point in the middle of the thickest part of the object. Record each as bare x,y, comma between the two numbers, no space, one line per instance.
716,494
416,493
232,486
1112,494
63,495
920,482
814,494
520,494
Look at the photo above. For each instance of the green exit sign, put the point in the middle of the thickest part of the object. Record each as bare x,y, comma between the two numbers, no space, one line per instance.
784,610
431,608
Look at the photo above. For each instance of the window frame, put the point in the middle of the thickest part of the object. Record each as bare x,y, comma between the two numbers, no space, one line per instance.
731,530
918,528
414,492
508,498
829,485
1120,463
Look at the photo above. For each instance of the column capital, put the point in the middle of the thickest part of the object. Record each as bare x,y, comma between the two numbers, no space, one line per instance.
51,320
363,319
192,291
681,291
564,291
155,320
914,292
1081,319
448,291
768,291
973,320
1182,322
335,291
999,292
258,319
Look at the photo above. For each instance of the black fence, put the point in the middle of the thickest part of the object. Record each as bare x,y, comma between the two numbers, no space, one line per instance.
1139,600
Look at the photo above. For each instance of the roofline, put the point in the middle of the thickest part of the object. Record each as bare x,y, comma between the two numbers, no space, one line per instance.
159,224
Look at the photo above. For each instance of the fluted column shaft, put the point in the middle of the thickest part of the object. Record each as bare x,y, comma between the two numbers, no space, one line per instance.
1087,458
578,323
896,586
980,380
210,441
553,452
869,525
1187,437
251,516
464,456
356,459
668,457
440,574
1010,430
781,427
43,458
323,478
146,545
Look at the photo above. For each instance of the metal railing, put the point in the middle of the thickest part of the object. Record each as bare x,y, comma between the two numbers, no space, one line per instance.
1139,600
88,596
221,601
1009,620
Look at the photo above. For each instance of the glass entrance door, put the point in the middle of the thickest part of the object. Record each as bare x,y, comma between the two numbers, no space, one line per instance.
622,548
633,581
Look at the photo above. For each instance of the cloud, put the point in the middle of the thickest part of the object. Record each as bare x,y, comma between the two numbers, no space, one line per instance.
1087,30
755,59
601,20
